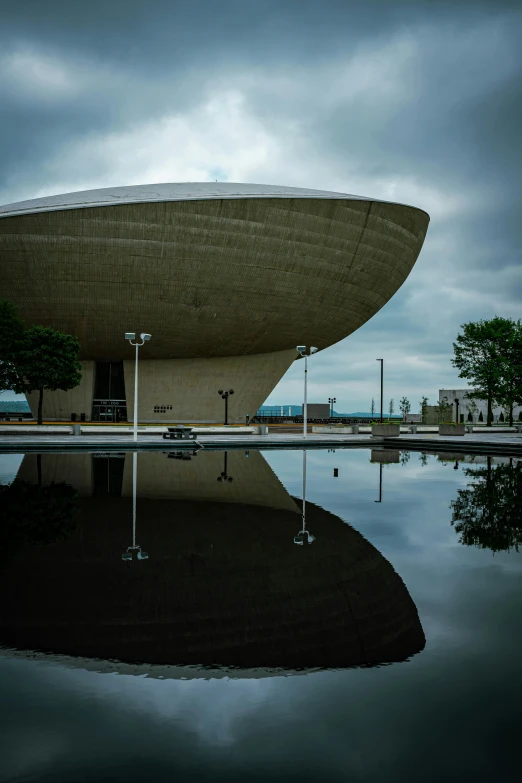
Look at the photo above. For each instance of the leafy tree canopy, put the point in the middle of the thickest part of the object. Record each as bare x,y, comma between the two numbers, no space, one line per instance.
489,355
48,360
37,358
404,406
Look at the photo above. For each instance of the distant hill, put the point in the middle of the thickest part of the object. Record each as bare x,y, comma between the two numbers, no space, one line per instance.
14,406
296,410
361,415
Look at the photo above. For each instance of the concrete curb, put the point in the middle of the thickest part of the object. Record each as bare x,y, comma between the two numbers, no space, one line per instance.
461,446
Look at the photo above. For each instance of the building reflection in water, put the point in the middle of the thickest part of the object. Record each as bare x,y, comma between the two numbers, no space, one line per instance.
225,586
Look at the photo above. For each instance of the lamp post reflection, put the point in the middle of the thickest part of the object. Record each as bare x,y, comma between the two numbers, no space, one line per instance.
380,484
224,474
304,536
128,554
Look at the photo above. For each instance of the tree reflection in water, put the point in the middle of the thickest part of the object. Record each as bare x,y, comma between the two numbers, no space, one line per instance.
37,514
488,512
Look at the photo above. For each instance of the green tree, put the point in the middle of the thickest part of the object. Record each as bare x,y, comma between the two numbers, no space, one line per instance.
510,392
372,407
444,410
482,355
471,407
47,359
37,515
12,331
391,407
488,512
423,406
404,407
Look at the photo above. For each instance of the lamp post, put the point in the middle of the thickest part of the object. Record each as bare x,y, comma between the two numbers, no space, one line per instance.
457,410
301,349
130,336
127,555
332,401
382,379
225,394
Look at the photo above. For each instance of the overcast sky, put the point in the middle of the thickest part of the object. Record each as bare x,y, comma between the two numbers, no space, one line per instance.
418,102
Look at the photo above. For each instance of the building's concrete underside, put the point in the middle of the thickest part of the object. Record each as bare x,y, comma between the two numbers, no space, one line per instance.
226,286
224,584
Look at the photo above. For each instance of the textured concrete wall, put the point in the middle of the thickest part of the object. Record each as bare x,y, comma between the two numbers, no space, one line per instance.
191,386
58,405
209,278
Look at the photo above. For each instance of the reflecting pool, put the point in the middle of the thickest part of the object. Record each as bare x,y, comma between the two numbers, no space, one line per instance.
317,616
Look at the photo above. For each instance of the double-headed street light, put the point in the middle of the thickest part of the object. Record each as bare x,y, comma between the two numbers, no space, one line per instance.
130,336
225,395
301,349
332,401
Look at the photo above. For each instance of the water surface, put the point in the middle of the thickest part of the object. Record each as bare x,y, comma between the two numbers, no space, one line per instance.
205,631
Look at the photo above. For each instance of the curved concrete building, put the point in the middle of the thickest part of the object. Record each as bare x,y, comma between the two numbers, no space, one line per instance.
227,278
224,585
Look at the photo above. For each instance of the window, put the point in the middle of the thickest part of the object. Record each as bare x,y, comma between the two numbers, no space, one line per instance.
162,408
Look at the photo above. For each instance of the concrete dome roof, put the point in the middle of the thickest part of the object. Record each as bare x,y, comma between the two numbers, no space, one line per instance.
212,270
165,191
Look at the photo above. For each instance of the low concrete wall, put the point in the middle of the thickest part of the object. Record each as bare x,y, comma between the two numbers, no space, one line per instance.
333,430
386,430
451,429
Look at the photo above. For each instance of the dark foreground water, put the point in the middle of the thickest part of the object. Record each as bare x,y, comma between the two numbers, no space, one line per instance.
182,626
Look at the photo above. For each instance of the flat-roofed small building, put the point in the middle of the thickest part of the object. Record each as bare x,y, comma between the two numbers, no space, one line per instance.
228,278
466,413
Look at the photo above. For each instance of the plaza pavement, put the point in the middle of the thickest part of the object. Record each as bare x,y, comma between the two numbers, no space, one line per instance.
33,438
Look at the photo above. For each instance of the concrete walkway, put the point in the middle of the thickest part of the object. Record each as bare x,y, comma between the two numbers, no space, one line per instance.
59,438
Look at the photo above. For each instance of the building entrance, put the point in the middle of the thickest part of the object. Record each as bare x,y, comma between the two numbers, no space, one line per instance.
109,402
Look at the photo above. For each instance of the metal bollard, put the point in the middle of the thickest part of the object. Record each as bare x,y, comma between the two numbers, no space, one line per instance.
76,429
263,429
414,429
355,429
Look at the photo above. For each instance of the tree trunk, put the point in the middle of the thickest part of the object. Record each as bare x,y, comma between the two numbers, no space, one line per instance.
490,411
511,415
40,406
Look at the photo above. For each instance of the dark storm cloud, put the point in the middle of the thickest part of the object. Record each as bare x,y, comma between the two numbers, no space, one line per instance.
158,55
